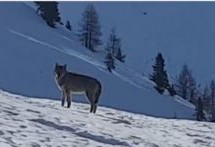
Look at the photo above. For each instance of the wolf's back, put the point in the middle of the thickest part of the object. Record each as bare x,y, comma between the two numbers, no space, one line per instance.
78,82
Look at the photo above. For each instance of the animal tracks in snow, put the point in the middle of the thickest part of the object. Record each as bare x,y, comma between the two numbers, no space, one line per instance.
41,122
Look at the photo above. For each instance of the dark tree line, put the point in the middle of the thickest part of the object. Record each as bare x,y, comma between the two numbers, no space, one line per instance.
208,96
185,86
202,99
49,12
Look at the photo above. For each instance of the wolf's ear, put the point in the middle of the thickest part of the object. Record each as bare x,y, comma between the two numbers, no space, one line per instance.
56,64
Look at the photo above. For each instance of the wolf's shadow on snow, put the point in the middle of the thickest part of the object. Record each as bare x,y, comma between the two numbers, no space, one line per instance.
83,134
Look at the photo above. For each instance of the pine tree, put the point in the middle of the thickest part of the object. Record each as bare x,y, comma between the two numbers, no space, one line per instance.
120,56
171,90
68,25
186,83
38,4
199,110
159,75
110,61
89,32
49,12
212,86
192,96
114,46
206,93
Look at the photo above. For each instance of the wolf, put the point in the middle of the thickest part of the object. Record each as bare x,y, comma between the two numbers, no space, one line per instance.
72,83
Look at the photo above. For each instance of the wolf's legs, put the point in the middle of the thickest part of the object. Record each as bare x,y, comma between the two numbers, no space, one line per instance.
68,98
93,105
94,108
91,108
63,98
90,98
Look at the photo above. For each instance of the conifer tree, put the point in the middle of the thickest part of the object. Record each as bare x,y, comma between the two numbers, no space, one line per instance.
49,12
159,75
120,56
110,61
68,25
171,90
206,94
192,96
199,110
212,86
114,46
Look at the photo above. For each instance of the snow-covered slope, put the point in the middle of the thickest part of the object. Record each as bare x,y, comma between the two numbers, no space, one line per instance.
40,122
182,31
29,50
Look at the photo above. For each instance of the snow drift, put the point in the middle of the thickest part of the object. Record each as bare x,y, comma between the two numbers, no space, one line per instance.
41,122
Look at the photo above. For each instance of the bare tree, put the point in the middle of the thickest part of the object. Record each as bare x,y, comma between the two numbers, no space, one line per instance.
114,46
89,32
186,83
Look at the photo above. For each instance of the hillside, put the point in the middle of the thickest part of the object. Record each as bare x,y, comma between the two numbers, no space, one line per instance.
30,49
41,122
182,31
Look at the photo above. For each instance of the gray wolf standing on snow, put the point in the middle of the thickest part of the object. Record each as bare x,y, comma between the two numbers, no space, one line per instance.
71,83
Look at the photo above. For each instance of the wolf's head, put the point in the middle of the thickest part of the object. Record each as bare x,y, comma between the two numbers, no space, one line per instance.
59,69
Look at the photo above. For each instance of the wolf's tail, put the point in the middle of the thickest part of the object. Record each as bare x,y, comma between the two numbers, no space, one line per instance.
98,92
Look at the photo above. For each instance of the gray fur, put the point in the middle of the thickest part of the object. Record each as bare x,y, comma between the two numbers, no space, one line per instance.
70,83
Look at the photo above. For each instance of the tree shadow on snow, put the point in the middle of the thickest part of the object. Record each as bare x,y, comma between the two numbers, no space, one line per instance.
83,134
